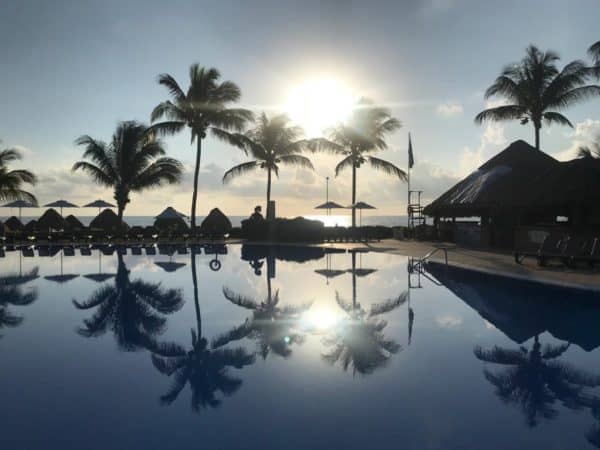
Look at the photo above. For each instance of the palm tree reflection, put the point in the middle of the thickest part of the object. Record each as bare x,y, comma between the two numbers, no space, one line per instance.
273,327
535,379
358,340
12,294
204,367
134,310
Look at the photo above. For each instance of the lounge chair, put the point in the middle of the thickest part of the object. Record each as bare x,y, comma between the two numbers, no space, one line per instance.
136,250
150,250
27,252
85,251
69,250
121,250
182,249
589,253
553,246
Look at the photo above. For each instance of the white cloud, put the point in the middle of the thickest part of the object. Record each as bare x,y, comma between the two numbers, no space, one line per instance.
585,133
492,141
452,108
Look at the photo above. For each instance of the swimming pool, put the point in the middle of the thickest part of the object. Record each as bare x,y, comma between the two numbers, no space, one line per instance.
289,348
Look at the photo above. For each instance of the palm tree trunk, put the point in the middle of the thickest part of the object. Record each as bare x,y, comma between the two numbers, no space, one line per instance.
537,136
353,195
268,191
196,302
195,191
120,210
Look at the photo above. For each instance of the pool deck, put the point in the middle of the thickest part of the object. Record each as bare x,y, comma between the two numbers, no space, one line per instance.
495,262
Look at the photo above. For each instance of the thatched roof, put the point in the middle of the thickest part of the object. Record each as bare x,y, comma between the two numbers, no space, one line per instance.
73,223
568,185
13,224
51,220
498,184
174,225
216,223
107,220
31,226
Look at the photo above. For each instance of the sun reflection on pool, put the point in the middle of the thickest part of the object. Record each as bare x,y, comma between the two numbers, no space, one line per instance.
320,319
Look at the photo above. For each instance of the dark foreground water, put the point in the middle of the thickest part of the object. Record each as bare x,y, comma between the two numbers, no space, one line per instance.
290,349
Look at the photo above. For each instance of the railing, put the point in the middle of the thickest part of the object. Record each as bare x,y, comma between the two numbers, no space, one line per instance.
433,252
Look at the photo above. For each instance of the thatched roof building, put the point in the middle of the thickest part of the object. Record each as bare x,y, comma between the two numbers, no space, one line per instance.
497,185
108,221
13,224
215,224
73,223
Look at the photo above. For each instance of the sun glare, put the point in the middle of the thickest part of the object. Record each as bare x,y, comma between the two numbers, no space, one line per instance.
318,104
320,319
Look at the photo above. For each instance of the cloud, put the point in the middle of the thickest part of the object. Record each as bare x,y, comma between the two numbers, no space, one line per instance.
492,140
585,133
450,109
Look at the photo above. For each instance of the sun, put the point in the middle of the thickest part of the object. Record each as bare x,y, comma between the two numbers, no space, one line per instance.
319,103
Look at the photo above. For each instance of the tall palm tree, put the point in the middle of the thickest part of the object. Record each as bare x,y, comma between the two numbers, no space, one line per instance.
132,162
204,106
11,181
363,134
534,379
204,367
272,142
134,310
536,91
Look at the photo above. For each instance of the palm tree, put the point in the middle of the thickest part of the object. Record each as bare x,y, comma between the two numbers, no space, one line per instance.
272,142
204,106
535,380
132,162
362,135
204,367
134,310
11,181
535,91
11,294
358,339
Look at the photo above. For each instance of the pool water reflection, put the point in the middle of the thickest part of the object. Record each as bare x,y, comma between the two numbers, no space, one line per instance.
289,347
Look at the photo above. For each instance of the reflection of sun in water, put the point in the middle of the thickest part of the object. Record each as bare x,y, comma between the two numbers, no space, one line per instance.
318,104
320,319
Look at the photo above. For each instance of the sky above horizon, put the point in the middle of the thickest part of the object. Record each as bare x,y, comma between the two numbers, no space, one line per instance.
79,67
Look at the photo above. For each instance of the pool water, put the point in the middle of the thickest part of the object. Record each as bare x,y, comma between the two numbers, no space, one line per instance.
290,348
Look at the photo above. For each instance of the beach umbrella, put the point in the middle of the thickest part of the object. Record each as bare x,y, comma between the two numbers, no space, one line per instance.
19,204
99,204
169,266
170,213
359,271
360,206
329,205
99,277
22,278
51,220
61,204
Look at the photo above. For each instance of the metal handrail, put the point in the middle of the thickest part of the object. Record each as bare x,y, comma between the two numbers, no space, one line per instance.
433,252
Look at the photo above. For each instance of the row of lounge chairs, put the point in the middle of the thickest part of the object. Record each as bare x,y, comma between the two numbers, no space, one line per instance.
568,250
358,234
139,234
86,250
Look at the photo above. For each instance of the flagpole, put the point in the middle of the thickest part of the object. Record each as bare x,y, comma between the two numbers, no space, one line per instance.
408,191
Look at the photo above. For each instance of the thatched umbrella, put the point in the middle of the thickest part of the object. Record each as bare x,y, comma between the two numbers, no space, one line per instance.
215,224
51,220
30,227
108,221
73,223
61,204
13,224
171,220
19,204
99,204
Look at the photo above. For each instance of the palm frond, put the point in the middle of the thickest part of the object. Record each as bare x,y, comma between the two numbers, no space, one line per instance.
95,172
169,82
387,167
388,305
239,170
551,117
499,113
297,161
345,163
240,300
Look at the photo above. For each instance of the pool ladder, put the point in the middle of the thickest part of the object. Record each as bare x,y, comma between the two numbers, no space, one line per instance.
416,265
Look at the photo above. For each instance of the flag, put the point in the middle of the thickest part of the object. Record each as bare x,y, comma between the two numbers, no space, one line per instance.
411,158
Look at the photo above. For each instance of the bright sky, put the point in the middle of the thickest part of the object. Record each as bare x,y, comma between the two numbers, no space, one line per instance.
77,67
